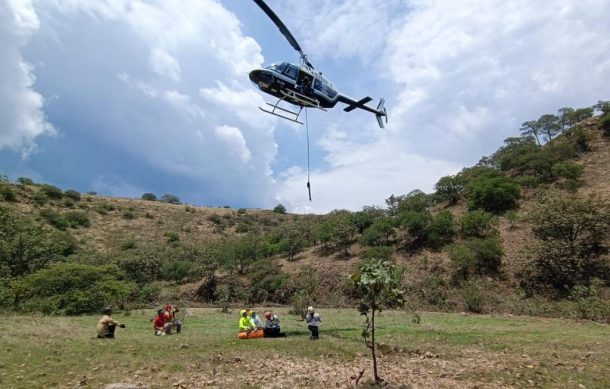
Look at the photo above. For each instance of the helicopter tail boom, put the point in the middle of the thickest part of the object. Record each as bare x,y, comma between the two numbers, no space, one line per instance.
380,112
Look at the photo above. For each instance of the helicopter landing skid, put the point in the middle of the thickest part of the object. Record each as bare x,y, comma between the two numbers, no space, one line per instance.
295,98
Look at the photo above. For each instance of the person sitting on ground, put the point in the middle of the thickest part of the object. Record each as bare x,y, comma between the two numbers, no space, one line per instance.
313,320
255,320
170,315
161,325
272,326
106,325
245,322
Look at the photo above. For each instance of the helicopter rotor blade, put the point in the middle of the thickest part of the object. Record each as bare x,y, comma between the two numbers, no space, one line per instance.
283,29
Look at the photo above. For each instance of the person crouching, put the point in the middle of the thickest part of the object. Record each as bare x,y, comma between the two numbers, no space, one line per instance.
106,325
161,325
272,326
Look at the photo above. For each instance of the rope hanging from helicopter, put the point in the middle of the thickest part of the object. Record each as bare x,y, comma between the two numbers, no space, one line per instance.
307,135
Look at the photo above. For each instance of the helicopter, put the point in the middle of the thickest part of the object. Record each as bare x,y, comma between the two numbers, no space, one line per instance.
302,85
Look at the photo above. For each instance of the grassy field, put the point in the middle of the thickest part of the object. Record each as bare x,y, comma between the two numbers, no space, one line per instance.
443,350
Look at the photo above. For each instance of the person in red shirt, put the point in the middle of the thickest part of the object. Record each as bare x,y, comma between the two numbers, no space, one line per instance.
170,316
160,323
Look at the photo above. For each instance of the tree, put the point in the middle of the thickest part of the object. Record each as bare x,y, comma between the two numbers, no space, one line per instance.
441,230
573,233
494,194
531,128
549,126
149,196
477,224
25,247
170,199
378,284
449,188
71,288
379,233
280,208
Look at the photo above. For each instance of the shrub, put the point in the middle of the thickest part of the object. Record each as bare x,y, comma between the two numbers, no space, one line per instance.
241,211
476,257
25,181
72,194
379,232
604,124
128,245
279,209
51,191
128,215
149,197
589,305
170,199
175,270
40,198
7,193
71,288
449,188
441,230
141,266
215,218
380,252
568,169
149,293
77,218
494,195
171,236
417,225
477,224
55,219
473,300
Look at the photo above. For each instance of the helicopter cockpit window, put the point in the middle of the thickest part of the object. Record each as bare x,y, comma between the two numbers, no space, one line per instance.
317,85
291,71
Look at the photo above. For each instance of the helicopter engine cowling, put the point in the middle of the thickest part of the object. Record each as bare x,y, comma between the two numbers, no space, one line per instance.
262,78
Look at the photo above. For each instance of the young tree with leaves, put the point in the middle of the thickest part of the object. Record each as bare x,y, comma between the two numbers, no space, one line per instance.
378,284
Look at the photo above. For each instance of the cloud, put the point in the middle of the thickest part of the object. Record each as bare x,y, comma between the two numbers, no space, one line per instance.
22,119
459,78
166,83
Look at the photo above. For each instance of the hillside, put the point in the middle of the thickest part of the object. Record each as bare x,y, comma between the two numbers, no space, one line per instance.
202,255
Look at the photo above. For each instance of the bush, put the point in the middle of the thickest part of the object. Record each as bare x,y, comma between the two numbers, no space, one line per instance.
72,194
149,197
417,225
215,218
25,181
473,300
441,230
71,288
477,224
494,195
379,233
380,252
7,193
128,215
279,209
171,236
51,191
170,199
55,219
568,169
128,245
476,257
77,218
589,305
149,293
604,124
40,198
175,270
449,188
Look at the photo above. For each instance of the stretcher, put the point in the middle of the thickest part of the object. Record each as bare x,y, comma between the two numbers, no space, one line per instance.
252,334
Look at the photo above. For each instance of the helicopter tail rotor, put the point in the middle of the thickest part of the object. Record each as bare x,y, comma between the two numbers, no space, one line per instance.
381,111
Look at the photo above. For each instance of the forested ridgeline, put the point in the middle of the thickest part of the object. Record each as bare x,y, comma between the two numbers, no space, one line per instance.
525,231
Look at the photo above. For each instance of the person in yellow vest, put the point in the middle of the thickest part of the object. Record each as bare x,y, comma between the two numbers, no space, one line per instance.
106,325
245,322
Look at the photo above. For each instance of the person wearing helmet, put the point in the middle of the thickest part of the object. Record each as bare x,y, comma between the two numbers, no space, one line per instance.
160,324
255,319
106,325
272,326
170,316
313,320
245,322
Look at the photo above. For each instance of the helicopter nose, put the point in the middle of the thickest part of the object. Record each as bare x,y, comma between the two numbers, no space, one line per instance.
259,75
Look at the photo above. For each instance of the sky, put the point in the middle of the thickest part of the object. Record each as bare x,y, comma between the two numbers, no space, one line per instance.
128,97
